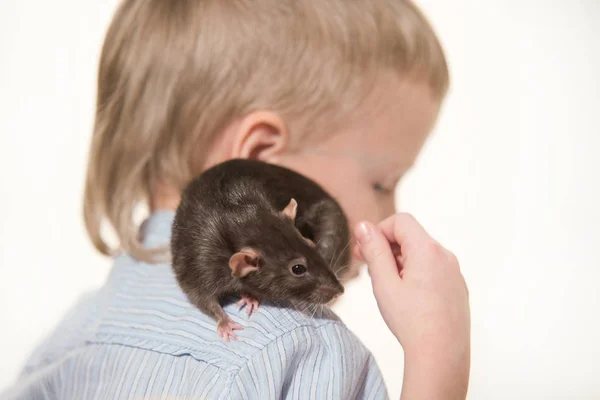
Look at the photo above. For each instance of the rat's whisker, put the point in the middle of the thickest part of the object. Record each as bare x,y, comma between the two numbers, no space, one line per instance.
295,305
308,309
333,260
301,306
342,251
340,256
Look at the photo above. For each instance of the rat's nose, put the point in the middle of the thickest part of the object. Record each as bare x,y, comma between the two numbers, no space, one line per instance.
338,291
330,293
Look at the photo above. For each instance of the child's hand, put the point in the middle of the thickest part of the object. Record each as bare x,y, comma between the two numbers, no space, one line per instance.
423,299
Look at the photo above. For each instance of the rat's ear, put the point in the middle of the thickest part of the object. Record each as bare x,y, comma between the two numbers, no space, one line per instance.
290,210
310,242
243,262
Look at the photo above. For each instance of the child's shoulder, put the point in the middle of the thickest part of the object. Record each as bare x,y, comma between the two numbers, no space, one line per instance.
285,328
142,305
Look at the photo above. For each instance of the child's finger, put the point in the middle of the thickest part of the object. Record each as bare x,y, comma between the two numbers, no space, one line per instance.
376,251
356,253
404,230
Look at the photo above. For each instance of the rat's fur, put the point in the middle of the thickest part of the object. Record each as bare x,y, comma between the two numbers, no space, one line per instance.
238,204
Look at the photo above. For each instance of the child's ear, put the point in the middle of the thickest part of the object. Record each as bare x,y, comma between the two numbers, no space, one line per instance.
291,209
261,135
243,262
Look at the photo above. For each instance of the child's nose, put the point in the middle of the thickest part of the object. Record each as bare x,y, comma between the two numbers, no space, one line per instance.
387,207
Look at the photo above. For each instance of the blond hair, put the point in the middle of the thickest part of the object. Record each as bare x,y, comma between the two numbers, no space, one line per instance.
174,74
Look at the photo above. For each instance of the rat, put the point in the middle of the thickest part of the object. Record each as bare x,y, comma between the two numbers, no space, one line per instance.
261,231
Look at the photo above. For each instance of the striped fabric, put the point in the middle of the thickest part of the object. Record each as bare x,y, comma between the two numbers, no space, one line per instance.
139,338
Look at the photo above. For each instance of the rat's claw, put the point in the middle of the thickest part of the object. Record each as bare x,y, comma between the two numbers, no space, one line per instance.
226,327
250,303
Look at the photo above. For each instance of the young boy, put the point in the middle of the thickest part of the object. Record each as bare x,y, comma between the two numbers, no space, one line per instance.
344,92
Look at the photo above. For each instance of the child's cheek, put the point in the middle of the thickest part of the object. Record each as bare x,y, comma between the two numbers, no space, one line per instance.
360,205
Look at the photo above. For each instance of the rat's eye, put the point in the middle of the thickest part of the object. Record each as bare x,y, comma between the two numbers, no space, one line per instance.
298,269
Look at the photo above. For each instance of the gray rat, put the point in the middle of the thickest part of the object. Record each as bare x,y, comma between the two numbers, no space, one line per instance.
261,231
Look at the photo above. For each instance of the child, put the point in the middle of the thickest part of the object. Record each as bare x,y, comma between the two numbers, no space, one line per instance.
344,92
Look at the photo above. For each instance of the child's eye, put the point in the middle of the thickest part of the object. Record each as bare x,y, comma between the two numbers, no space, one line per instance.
379,188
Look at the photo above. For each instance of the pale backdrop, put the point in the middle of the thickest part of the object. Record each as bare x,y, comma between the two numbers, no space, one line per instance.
510,182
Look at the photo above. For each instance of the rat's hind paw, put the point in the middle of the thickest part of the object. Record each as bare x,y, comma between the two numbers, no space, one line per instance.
250,303
226,328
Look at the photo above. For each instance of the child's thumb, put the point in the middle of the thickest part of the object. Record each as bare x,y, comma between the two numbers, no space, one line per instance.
376,251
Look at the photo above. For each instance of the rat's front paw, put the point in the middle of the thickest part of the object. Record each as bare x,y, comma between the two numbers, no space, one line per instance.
250,303
226,327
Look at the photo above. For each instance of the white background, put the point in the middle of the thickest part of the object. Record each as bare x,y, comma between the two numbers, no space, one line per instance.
509,182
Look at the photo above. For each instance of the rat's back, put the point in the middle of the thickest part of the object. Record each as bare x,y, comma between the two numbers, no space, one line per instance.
240,189
206,227
220,197
242,182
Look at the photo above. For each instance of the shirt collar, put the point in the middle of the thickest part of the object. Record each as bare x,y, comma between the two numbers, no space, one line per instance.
156,229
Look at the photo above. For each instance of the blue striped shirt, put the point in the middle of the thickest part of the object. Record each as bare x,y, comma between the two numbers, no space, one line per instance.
139,337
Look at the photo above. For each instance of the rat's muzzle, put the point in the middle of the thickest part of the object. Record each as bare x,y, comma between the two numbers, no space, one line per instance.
325,294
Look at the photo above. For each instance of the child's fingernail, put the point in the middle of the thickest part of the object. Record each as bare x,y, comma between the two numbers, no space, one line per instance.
363,233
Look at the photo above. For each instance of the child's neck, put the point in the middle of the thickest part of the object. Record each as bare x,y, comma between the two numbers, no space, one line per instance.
164,197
